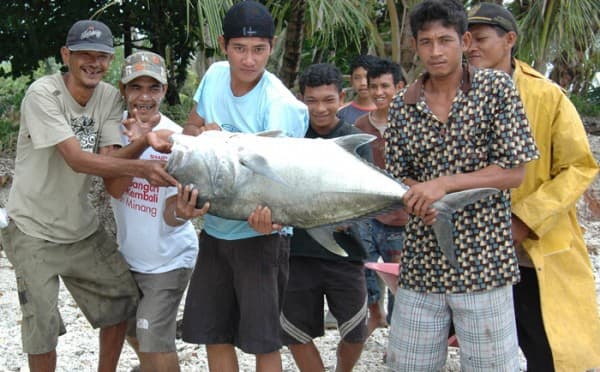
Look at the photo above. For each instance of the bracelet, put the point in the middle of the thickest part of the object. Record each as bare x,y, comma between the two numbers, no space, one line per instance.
178,219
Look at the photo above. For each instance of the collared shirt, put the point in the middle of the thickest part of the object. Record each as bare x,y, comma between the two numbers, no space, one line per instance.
486,125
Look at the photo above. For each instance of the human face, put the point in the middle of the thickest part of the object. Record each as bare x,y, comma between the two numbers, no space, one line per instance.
488,49
248,57
440,48
323,102
86,68
383,90
359,82
144,95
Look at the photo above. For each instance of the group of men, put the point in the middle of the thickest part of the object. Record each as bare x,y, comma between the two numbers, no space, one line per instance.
491,123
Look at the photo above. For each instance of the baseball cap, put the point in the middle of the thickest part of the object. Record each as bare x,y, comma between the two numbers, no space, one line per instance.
248,19
493,14
144,63
90,35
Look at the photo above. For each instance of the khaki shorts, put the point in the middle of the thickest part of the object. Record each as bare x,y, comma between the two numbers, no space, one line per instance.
154,325
93,271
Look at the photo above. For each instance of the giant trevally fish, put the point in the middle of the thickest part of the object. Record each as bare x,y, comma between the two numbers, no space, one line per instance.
314,184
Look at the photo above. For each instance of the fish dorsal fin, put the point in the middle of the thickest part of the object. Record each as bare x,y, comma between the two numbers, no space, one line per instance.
270,133
353,141
258,165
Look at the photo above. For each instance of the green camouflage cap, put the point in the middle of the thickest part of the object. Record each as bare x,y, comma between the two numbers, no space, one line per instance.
144,63
494,15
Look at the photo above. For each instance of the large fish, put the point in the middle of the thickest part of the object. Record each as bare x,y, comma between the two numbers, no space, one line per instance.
314,184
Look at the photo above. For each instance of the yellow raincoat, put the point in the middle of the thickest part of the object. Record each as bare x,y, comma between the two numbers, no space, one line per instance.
545,201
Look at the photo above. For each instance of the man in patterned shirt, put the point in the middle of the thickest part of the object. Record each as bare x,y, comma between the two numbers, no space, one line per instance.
456,128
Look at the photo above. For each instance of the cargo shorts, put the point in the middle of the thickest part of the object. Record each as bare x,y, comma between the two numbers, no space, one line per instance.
154,325
93,270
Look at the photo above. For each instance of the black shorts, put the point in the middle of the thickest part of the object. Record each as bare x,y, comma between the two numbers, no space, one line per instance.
236,293
342,282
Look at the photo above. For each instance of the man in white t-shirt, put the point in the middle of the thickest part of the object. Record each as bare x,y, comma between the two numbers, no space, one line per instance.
69,126
160,247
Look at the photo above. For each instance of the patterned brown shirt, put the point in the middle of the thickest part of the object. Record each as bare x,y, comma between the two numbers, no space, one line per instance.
486,125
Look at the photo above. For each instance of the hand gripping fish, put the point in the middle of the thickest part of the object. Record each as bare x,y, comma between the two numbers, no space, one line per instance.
314,184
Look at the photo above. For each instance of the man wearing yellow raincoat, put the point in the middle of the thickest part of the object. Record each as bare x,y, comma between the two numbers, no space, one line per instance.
557,314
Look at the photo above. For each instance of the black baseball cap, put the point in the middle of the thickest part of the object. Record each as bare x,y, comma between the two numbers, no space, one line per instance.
248,19
90,35
494,15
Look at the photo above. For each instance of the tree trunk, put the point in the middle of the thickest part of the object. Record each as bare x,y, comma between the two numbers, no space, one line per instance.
293,44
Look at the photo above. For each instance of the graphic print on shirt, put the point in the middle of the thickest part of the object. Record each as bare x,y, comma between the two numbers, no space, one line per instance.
142,196
83,128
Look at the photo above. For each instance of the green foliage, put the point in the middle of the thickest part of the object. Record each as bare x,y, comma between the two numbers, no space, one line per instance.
588,104
11,94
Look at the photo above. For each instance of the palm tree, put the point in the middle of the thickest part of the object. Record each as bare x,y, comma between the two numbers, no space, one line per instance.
563,33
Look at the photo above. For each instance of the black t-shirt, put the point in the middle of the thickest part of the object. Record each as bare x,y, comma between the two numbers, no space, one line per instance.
302,244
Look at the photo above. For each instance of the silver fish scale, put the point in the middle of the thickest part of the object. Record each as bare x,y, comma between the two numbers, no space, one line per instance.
305,182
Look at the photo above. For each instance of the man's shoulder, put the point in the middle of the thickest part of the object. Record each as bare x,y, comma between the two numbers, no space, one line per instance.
46,84
534,80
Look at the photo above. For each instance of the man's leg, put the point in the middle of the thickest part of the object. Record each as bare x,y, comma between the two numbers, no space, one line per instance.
160,362
486,330
270,362
347,355
111,343
376,318
42,362
307,357
418,331
530,326
221,358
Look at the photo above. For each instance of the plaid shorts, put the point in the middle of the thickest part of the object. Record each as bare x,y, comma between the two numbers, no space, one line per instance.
484,323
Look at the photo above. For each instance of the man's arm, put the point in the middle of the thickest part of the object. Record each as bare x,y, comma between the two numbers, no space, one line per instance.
420,196
119,163
196,124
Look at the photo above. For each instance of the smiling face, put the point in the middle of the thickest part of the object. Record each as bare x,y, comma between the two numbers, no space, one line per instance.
248,57
323,102
86,68
383,89
440,48
144,94
491,48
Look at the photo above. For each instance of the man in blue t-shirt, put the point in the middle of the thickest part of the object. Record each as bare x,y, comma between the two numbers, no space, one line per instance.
242,266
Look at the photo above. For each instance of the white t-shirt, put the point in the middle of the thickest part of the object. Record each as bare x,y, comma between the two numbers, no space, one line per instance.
146,241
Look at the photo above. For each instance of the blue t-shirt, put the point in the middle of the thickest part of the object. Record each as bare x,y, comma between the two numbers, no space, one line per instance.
268,106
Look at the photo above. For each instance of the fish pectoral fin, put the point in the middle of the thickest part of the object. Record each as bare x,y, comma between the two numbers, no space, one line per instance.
259,165
325,237
353,141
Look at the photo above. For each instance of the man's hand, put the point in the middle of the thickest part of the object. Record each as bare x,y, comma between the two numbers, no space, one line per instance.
420,196
260,220
135,128
186,203
154,171
209,126
520,231
159,140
